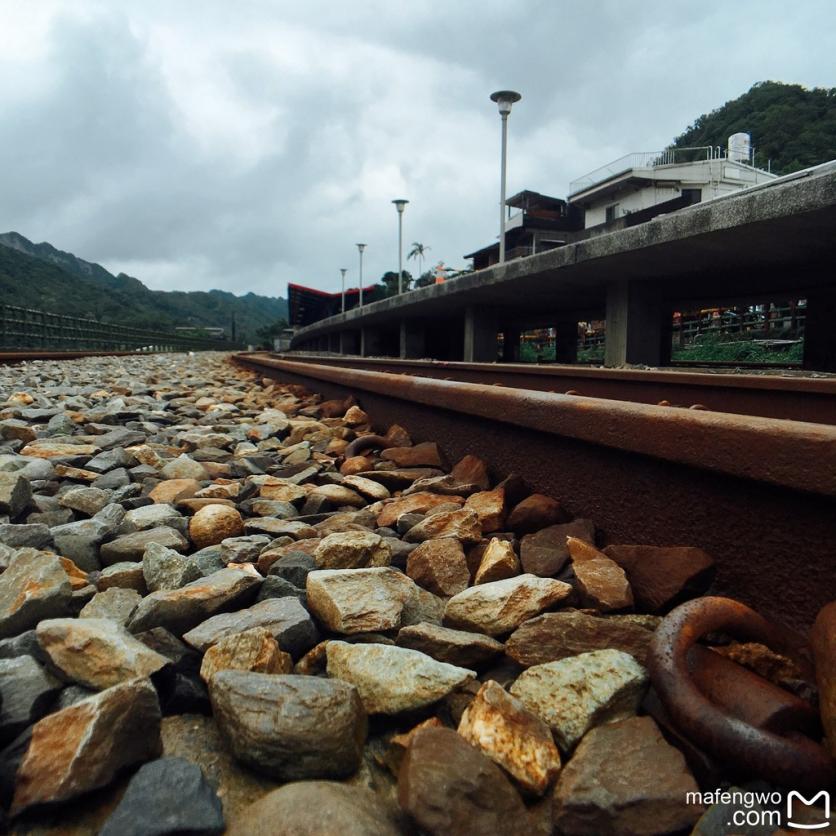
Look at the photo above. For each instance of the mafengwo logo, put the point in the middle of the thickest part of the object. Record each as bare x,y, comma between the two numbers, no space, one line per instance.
795,800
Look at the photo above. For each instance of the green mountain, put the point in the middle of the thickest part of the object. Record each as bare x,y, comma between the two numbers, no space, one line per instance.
42,277
791,126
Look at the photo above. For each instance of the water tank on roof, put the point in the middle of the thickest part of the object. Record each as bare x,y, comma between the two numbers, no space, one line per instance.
740,147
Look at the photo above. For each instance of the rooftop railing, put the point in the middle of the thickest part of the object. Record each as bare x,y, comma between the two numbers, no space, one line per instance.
645,159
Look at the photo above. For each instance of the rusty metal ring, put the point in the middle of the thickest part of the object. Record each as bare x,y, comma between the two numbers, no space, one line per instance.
366,442
791,761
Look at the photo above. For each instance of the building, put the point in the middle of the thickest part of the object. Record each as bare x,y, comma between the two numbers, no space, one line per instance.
307,305
540,223
664,181
628,191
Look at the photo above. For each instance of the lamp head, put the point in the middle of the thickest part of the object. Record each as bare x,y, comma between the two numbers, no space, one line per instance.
343,270
400,203
504,99
361,247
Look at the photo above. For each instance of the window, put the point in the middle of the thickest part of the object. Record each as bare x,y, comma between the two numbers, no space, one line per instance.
612,212
692,195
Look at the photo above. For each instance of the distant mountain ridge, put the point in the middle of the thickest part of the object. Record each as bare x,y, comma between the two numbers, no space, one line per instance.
44,277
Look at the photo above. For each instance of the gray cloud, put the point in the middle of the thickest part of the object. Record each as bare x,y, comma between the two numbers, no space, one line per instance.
242,146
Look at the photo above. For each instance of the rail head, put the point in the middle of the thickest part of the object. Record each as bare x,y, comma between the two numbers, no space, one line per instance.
792,454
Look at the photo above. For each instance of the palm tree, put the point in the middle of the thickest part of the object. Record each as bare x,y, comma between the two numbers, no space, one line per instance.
418,251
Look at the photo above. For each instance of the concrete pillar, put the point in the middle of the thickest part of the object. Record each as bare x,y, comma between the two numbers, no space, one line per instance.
370,342
335,343
511,345
820,330
566,341
349,342
413,342
635,324
480,329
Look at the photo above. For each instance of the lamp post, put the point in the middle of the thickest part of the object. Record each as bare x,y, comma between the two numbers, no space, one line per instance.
400,204
504,100
361,247
343,271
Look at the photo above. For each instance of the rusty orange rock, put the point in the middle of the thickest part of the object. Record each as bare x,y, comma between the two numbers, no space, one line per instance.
418,503
489,507
214,523
823,639
499,561
172,491
510,735
602,582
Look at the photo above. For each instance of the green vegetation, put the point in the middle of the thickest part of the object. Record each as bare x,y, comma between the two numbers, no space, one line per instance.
728,349
39,276
791,126
266,334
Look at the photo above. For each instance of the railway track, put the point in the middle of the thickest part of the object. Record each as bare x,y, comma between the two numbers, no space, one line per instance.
757,491
767,395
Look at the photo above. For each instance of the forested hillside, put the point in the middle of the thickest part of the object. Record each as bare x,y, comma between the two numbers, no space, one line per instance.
40,276
791,126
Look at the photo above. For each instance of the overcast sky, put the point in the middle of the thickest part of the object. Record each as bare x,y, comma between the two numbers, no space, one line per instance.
200,144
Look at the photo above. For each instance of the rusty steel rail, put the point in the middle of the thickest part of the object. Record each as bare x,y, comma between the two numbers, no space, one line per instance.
798,398
759,494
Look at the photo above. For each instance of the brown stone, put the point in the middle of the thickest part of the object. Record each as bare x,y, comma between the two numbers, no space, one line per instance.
545,553
338,495
601,581
252,650
417,503
356,464
82,747
535,512
96,652
194,505
462,525
663,576
439,566
48,449
471,470
823,639
172,491
397,436
559,635
501,606
625,779
456,647
449,787
489,507
512,737
214,523
33,587
283,492
317,808
426,454
267,558
355,416
499,562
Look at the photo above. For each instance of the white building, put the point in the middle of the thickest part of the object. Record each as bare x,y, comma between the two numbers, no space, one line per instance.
640,181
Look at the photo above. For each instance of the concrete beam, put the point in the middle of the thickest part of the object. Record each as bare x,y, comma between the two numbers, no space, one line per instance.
636,331
480,330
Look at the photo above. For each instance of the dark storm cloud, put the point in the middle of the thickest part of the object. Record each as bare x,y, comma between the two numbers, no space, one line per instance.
246,145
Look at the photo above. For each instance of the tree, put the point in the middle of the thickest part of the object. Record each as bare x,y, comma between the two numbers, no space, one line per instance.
389,282
418,251
425,279
268,332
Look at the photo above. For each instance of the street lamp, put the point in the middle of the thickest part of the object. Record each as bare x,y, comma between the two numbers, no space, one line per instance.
361,247
400,204
343,271
504,100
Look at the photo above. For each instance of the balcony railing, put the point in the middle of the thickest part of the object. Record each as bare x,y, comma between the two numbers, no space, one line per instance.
645,159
